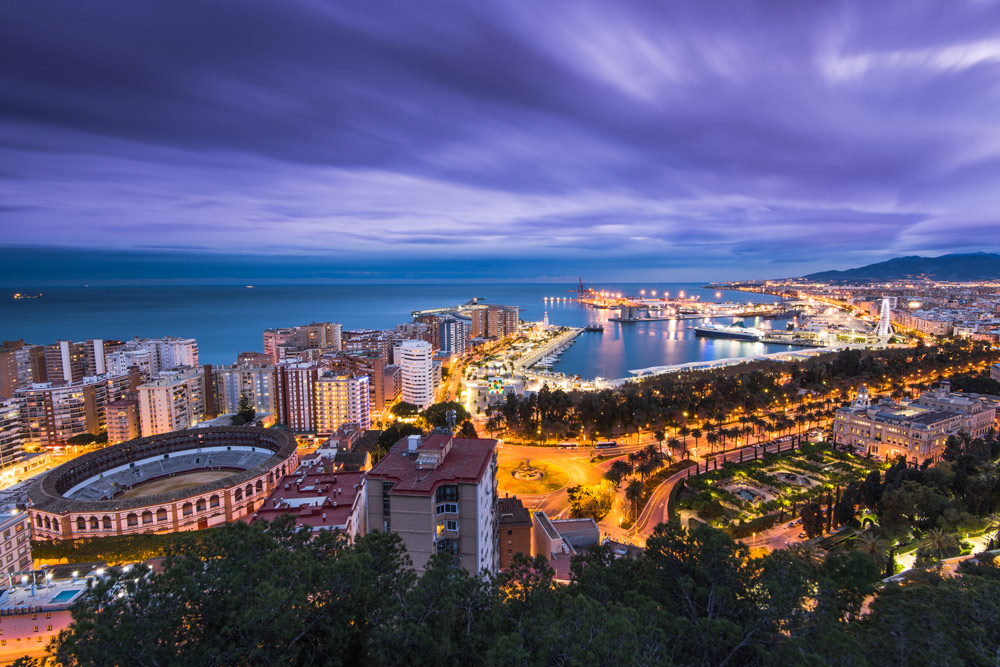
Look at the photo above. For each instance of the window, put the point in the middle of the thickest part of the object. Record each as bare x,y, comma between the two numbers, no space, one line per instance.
161,514
447,492
132,520
200,505
187,509
107,522
451,525
213,501
447,508
81,524
448,546
94,523
147,517
386,487
510,532
238,495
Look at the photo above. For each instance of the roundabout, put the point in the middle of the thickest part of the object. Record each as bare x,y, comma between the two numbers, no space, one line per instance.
529,477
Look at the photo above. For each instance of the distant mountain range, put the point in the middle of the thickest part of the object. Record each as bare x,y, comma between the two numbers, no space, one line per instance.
968,266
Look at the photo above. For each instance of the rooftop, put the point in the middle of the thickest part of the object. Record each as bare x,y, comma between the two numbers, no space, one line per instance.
316,495
512,512
437,459
55,594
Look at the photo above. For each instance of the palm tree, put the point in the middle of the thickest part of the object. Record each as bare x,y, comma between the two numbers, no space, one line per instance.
633,494
660,437
940,543
696,433
673,445
875,547
713,439
734,434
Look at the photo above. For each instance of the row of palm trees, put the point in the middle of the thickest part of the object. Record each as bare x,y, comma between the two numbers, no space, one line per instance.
718,435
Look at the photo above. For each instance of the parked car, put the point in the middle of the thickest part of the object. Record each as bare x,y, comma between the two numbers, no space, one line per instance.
803,535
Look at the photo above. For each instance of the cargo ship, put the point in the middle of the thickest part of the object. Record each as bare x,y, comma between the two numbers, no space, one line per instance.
737,331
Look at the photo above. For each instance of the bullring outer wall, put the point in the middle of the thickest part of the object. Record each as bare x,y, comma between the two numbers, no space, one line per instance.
54,516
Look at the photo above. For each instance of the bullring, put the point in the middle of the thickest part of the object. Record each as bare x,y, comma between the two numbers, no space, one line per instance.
184,480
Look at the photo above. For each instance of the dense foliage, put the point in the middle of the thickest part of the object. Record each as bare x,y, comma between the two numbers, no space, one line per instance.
116,548
256,595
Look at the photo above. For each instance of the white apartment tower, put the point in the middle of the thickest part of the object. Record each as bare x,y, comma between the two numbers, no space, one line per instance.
174,401
416,361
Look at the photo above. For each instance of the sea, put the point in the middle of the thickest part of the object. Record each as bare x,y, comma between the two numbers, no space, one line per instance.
229,319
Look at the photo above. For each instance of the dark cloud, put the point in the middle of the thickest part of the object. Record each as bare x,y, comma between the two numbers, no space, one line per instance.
751,138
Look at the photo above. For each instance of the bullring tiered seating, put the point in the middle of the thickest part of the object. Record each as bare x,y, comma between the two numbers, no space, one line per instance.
111,485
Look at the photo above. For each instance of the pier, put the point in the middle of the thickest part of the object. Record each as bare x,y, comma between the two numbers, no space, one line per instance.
534,356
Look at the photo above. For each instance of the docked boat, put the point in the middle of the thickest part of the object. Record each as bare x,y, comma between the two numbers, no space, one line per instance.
736,331
595,328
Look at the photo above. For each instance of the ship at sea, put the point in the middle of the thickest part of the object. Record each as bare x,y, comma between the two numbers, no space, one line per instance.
19,296
737,331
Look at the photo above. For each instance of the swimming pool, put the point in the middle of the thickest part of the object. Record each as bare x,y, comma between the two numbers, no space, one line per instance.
66,596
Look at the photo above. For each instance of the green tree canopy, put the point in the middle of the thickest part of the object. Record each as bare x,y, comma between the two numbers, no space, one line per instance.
436,415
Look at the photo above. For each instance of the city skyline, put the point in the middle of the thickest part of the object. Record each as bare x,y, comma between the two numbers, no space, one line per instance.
313,143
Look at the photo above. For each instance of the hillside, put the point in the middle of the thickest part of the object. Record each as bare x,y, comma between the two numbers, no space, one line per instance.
969,266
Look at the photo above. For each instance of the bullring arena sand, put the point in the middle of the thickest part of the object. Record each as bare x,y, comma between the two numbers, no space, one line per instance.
177,482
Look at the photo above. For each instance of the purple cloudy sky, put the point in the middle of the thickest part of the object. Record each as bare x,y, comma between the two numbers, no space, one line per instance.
620,140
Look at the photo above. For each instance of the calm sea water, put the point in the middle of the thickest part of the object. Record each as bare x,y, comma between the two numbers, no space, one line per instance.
229,319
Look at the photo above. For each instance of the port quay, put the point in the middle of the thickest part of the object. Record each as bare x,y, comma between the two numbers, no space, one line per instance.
815,332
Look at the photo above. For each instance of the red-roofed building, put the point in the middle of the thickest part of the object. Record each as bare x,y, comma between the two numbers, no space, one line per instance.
439,494
319,497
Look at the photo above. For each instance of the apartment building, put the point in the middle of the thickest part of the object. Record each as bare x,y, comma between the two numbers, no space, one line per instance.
53,413
287,342
294,394
515,530
9,379
320,498
11,440
454,332
173,401
69,362
415,359
439,495
153,355
15,541
339,400
229,383
121,360
123,419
